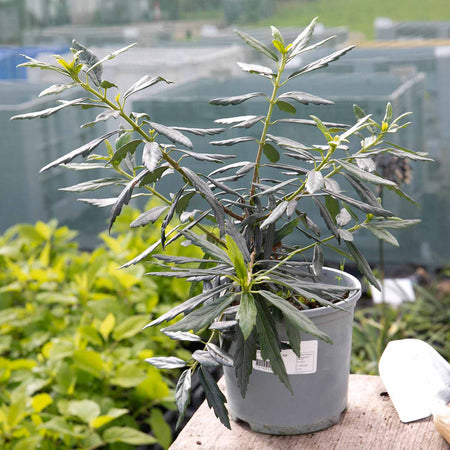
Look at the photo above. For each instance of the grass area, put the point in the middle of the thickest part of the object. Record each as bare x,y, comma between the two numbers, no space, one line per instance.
357,15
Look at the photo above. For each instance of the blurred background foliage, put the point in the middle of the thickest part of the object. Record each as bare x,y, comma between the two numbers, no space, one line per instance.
72,348
427,318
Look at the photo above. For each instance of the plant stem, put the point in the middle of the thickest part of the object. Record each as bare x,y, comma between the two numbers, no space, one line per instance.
267,123
147,137
301,250
331,150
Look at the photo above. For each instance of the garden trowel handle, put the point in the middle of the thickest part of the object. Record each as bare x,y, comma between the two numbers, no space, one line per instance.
442,422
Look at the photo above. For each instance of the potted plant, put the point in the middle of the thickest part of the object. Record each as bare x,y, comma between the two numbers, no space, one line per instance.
269,312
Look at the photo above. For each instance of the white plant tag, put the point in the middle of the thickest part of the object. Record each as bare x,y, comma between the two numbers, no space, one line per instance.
307,363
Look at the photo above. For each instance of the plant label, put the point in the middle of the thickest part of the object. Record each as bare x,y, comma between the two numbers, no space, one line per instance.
307,363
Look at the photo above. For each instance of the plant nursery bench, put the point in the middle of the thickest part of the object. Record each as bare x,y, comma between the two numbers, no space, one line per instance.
370,422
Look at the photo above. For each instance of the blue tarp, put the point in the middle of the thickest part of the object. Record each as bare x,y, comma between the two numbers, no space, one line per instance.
10,58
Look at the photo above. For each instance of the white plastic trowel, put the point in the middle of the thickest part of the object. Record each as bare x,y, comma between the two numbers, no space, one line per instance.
417,379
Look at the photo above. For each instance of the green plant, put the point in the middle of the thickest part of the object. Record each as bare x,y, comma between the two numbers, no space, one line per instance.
247,266
72,355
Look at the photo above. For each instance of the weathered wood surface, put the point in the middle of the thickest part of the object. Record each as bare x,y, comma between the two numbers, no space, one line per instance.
370,422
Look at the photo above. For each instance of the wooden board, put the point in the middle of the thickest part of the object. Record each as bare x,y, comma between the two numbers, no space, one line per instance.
370,422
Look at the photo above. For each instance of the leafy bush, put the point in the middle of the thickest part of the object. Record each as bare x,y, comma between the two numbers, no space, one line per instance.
427,318
72,370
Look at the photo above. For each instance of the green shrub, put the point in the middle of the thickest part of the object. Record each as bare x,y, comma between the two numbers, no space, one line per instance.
72,370
427,318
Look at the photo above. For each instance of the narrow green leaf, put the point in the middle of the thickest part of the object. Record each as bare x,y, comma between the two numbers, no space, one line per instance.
183,395
156,175
305,98
208,247
34,63
151,156
365,176
124,198
343,217
269,343
90,61
275,215
144,83
381,233
224,101
293,333
376,210
345,234
219,355
170,215
110,56
56,89
47,112
123,138
259,46
84,151
107,84
304,38
201,317
247,314
205,358
362,264
286,229
388,115
295,315
332,206
181,336
365,194
314,181
172,134
329,222
149,216
323,62
102,117
321,126
216,400
233,141
240,121
402,194
237,258
257,69
271,152
188,305
286,107
396,224
170,362
93,185
318,260
244,356
276,35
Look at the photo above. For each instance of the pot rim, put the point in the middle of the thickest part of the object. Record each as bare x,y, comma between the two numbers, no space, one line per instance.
355,294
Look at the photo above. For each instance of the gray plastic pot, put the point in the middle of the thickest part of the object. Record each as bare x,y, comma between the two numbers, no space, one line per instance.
319,379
